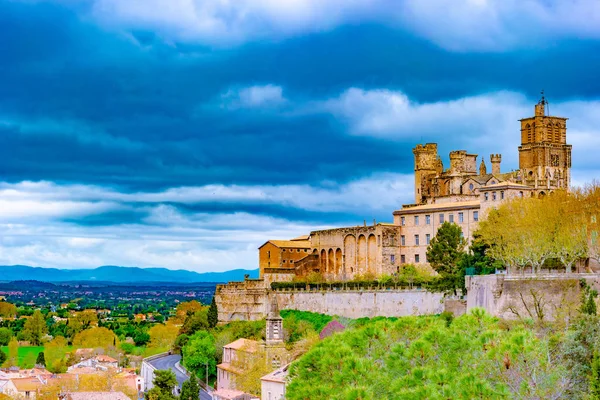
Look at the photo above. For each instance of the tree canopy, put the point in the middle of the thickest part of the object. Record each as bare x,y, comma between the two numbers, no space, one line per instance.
444,254
431,358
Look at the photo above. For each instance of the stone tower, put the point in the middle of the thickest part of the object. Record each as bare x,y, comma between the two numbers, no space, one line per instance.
427,164
274,333
274,345
544,155
495,159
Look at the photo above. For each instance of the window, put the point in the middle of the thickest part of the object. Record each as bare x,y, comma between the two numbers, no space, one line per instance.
471,187
441,218
402,240
417,258
502,195
427,219
378,240
493,196
402,221
451,218
520,194
485,196
393,258
461,217
416,240
268,254
402,258
427,238
298,251
416,220
475,215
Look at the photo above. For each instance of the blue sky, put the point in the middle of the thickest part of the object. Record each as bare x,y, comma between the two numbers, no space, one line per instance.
185,133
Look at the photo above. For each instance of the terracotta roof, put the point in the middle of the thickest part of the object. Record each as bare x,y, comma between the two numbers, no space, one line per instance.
26,384
105,358
295,244
243,344
279,375
303,237
425,207
97,396
228,394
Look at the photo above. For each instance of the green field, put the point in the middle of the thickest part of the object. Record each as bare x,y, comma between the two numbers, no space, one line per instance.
27,355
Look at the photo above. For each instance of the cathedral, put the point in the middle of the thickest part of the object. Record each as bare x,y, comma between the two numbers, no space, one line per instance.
460,194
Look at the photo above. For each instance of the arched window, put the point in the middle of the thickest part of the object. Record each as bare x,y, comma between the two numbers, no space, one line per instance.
557,133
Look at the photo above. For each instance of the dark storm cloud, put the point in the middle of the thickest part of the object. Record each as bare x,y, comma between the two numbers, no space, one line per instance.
320,122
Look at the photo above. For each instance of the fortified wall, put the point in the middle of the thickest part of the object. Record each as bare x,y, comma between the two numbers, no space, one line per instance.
541,297
249,300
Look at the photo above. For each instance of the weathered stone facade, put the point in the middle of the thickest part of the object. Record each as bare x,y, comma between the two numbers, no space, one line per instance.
537,297
249,300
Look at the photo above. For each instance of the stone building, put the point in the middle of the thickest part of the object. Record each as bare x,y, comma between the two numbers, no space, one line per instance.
461,194
239,355
282,254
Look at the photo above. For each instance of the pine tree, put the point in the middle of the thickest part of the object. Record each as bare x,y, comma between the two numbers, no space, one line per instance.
190,389
213,314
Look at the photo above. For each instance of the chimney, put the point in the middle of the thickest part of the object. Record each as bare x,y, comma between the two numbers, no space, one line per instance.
495,160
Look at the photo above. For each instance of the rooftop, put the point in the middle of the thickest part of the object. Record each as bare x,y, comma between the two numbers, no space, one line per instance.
97,396
294,244
442,206
279,375
247,345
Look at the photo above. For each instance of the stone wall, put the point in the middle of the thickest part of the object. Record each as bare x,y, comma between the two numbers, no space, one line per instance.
538,297
249,300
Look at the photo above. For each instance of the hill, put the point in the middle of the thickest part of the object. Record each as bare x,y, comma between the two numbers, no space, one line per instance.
118,274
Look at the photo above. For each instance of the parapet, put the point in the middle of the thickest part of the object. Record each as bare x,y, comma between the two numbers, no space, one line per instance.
425,148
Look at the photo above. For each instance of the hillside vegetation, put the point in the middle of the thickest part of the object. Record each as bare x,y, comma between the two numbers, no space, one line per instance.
473,356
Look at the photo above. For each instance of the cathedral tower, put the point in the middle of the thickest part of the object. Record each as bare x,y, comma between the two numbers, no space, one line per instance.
544,155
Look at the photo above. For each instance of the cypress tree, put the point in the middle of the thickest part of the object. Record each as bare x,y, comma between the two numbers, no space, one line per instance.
41,359
213,314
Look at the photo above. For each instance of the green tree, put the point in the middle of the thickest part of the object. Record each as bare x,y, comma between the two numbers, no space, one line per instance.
164,382
195,321
595,377
199,353
180,341
190,389
41,359
213,314
3,357
477,259
35,328
13,353
444,254
5,336
588,299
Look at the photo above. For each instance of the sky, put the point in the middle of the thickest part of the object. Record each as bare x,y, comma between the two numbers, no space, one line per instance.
186,133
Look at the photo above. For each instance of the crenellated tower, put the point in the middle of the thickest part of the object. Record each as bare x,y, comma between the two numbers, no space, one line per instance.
427,164
544,155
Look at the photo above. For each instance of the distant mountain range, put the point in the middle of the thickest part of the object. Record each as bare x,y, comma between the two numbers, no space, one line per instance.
119,274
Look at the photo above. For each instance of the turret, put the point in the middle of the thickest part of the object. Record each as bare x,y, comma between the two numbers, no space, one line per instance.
495,159
482,168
